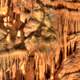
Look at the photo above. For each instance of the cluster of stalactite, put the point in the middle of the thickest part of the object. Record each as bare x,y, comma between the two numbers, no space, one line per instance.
69,29
10,63
70,46
18,65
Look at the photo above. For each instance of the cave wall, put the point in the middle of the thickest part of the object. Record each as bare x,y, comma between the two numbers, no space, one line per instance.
27,25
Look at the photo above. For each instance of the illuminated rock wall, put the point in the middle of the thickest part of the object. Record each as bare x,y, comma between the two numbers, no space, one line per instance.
39,39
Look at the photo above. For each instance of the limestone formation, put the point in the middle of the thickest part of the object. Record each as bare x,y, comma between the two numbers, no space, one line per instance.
39,39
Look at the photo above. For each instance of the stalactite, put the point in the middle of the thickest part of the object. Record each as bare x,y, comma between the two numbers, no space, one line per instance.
75,27
65,39
41,67
1,74
1,3
52,65
36,65
57,53
9,60
6,3
78,27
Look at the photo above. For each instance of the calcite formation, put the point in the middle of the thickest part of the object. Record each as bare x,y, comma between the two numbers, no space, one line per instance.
39,39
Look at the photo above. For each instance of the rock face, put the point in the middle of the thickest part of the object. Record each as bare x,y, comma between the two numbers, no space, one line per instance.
39,39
